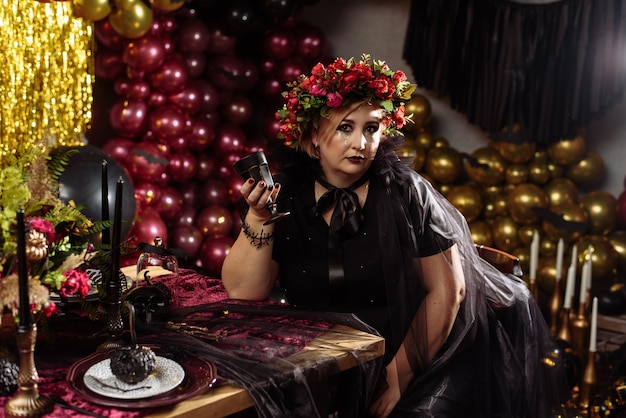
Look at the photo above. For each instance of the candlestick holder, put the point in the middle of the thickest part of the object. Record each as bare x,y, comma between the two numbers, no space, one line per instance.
556,302
580,332
114,326
27,402
564,332
589,383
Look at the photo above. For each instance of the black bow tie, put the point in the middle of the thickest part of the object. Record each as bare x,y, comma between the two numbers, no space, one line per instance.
346,217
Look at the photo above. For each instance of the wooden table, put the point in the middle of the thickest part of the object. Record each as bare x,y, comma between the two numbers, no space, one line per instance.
227,399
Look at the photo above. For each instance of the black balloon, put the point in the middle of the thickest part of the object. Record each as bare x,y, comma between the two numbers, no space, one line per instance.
81,182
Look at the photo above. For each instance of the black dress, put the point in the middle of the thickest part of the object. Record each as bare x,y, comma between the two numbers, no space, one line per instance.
493,362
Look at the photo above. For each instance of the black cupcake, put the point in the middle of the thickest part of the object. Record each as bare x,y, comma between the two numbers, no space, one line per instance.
133,364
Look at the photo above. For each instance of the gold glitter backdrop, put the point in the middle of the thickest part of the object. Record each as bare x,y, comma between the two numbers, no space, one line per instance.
46,75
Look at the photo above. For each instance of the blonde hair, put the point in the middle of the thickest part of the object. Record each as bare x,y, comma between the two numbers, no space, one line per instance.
325,131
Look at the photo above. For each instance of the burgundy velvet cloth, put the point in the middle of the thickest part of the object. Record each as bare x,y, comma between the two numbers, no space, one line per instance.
54,357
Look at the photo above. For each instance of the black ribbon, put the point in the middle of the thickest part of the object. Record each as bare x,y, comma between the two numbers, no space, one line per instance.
344,223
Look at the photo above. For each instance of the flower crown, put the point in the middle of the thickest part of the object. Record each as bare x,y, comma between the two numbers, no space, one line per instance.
328,87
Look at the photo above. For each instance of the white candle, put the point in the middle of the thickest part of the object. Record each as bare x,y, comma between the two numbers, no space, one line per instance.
594,325
559,259
590,264
569,286
574,260
583,283
534,256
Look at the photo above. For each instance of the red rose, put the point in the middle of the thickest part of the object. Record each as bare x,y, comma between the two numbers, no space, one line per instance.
76,282
43,226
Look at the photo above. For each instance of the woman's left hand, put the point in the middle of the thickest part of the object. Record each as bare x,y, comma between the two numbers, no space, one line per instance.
386,402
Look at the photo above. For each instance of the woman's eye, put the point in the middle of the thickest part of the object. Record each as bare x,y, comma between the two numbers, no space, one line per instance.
344,127
372,129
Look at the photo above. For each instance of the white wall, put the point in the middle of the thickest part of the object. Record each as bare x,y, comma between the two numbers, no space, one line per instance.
377,27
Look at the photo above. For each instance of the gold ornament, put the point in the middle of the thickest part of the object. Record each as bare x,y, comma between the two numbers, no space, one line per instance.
93,10
588,171
481,233
36,245
46,76
569,212
601,208
504,233
618,241
515,153
132,19
167,5
522,201
567,151
444,164
516,173
538,172
490,169
561,190
604,257
467,200
419,107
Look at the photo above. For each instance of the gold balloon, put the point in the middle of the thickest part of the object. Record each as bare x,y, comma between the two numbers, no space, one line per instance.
166,5
444,164
604,257
491,192
440,141
420,157
491,167
538,172
525,234
489,209
567,151
93,10
541,156
132,22
515,153
523,199
516,173
618,241
481,233
419,107
569,212
546,275
555,170
425,139
467,200
504,233
588,171
601,208
561,190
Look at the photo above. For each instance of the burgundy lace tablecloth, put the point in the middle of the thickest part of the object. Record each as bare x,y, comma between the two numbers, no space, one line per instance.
251,329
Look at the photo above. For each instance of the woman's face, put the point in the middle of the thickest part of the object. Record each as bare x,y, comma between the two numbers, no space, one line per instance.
349,152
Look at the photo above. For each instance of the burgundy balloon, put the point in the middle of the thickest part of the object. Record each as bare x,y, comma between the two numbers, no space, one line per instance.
290,69
156,99
121,86
212,253
212,192
182,167
134,73
146,53
167,122
138,90
270,126
193,36
187,215
170,203
178,143
148,225
118,148
107,36
214,220
238,109
187,238
278,44
255,145
266,66
271,88
146,162
189,192
233,73
220,43
201,135
234,184
206,166
128,117
230,138
147,194
210,96
224,169
108,65
196,64
189,100
171,77
168,44
310,42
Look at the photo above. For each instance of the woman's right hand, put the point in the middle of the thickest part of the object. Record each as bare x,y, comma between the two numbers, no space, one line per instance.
257,196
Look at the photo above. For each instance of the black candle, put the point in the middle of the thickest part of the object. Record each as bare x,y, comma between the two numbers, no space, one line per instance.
117,231
22,270
106,237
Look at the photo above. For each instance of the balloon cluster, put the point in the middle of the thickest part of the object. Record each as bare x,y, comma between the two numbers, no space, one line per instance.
507,190
191,96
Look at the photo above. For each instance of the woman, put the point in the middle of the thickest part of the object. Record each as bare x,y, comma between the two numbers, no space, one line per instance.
368,235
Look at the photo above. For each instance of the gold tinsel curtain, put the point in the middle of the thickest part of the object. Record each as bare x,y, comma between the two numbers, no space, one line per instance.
46,76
